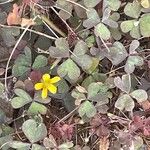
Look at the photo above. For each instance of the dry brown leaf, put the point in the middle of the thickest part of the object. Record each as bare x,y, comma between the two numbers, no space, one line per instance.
27,22
14,17
104,143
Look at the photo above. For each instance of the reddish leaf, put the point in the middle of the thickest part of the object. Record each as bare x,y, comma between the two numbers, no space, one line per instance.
14,17
145,105
35,76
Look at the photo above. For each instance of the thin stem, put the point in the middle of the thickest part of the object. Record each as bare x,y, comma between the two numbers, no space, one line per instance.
67,116
30,30
8,62
77,4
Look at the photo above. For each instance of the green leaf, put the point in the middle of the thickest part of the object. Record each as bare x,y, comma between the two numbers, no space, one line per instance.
135,32
39,62
34,131
102,31
19,145
133,61
127,26
98,92
90,41
22,99
5,142
8,35
140,95
133,9
145,25
65,146
117,53
93,18
36,108
114,4
37,147
88,109
89,3
125,102
50,142
77,95
2,88
61,50
124,84
63,86
22,63
70,69
18,102
80,48
21,93
116,34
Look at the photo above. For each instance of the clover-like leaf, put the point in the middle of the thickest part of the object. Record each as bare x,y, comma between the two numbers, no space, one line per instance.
133,46
77,95
88,109
114,4
65,146
19,145
70,69
125,102
37,147
144,25
34,131
124,84
2,88
140,95
89,3
96,88
50,142
102,31
8,35
93,18
117,53
36,108
132,62
39,62
22,63
127,25
133,9
61,50
80,57
22,99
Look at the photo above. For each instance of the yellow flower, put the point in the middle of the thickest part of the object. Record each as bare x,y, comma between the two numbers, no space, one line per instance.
47,84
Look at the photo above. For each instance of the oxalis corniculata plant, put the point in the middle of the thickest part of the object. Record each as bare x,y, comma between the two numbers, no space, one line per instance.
75,74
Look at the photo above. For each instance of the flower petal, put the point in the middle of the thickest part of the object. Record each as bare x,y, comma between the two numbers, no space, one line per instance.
52,88
44,93
55,79
46,77
38,86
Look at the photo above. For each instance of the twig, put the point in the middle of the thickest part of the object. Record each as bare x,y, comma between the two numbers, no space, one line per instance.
30,30
114,70
7,65
105,44
5,2
67,116
77,4
52,25
50,29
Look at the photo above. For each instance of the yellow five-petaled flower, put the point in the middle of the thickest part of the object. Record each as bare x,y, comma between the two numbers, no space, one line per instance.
47,84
